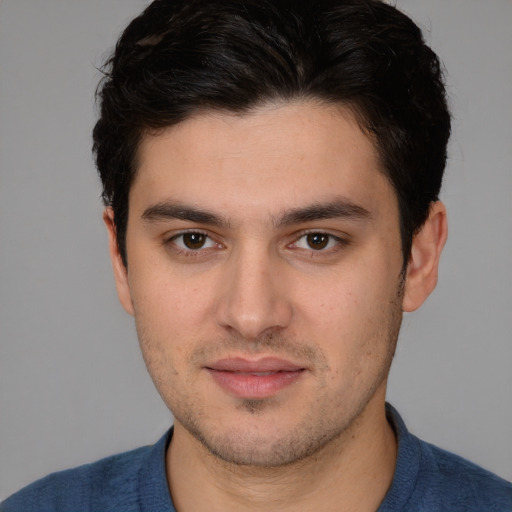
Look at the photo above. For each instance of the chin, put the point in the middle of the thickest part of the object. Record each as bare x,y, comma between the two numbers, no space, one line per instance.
259,443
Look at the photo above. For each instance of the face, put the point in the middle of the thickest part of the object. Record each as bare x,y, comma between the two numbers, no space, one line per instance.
264,274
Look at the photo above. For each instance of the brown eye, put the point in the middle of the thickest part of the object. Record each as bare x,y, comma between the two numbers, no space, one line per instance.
194,240
192,243
317,241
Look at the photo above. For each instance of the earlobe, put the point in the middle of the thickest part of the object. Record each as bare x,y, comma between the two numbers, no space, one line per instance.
120,271
423,266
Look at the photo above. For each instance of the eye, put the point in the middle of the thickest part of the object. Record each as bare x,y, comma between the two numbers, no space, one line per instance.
317,241
193,241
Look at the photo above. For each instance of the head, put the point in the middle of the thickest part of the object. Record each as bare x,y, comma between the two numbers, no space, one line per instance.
271,171
183,57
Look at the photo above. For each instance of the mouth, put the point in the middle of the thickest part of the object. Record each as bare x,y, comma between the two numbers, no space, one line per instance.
259,379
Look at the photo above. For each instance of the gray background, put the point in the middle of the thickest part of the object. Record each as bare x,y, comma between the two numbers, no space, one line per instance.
73,386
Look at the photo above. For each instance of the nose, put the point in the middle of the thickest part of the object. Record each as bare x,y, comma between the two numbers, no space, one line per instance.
255,301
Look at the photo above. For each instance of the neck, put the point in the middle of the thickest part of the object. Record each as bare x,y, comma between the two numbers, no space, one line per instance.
352,473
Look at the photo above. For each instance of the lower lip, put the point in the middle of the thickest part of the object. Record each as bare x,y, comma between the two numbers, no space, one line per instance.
250,385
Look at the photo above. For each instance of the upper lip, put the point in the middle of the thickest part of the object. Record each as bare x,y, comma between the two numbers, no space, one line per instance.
242,365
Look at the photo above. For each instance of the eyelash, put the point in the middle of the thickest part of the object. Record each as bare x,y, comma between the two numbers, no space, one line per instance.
339,243
186,250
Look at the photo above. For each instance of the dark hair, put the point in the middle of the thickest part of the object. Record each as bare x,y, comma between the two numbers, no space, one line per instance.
182,56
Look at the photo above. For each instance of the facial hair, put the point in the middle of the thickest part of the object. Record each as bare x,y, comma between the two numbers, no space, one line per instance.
316,428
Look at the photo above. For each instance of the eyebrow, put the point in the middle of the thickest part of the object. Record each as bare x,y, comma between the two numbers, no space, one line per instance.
168,210
337,209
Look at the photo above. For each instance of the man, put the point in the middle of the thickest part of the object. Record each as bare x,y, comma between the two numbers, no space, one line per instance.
271,173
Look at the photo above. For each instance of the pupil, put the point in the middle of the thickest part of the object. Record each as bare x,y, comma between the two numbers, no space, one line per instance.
194,240
317,241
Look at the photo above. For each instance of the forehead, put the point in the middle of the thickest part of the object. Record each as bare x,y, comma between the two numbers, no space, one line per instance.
275,157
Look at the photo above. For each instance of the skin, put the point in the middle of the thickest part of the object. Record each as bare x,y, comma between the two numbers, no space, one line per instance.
236,276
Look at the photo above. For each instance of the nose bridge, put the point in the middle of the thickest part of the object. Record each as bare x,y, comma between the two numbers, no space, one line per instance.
253,303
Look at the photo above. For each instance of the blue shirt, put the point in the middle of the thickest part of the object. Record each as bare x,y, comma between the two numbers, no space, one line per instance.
426,479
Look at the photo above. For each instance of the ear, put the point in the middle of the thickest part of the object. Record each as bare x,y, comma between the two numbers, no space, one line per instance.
422,269
120,271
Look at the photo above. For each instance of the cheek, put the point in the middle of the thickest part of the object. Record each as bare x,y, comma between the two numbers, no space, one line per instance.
165,296
352,313
345,299
169,314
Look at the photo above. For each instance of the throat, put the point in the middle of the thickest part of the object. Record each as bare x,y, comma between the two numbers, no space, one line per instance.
351,473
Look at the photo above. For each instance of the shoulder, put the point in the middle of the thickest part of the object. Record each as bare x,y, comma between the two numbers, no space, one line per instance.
109,484
430,479
463,484
80,487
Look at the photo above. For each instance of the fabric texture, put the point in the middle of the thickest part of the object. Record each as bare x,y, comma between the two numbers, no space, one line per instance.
427,479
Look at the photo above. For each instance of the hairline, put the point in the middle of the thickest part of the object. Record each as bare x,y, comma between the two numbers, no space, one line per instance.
341,106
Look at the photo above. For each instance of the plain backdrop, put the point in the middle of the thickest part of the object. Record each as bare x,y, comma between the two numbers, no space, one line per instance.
73,387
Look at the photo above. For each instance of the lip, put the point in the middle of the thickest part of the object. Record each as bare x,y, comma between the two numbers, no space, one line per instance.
258,379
